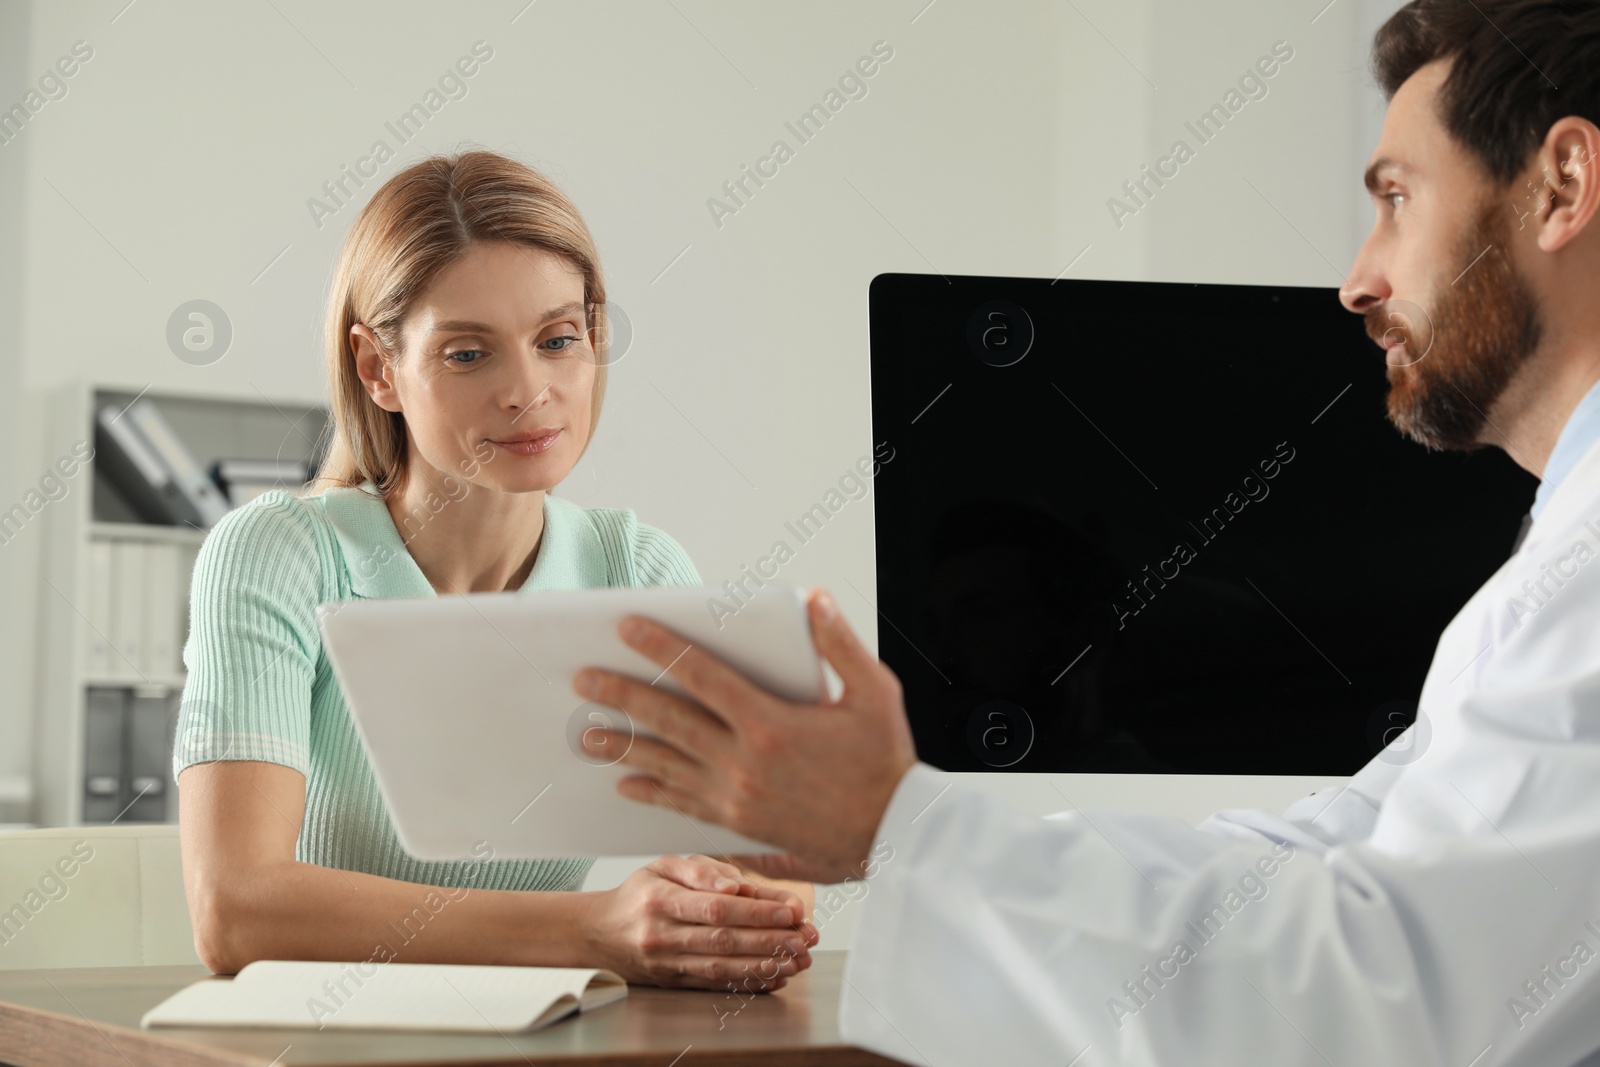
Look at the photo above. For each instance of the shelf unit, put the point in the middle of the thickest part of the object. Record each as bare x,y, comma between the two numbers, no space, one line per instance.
91,512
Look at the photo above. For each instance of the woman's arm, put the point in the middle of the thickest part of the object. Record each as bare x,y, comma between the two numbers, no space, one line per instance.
667,924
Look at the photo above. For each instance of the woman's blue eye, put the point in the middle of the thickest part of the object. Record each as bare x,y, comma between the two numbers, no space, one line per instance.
472,352
570,339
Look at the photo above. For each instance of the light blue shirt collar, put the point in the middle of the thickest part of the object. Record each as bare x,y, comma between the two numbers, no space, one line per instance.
1581,431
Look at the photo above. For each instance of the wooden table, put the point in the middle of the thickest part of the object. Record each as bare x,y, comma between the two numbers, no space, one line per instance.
89,1017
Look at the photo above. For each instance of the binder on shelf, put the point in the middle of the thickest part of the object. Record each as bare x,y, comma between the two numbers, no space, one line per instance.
133,466
241,492
245,479
291,472
127,766
98,661
124,567
151,726
103,728
188,554
198,494
127,609
159,654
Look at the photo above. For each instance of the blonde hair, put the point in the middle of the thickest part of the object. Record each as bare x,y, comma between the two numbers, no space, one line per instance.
420,222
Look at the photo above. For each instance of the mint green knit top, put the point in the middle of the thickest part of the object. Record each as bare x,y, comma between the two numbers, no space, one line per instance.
260,686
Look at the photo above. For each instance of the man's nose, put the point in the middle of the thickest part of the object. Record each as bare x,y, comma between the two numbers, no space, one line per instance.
1366,285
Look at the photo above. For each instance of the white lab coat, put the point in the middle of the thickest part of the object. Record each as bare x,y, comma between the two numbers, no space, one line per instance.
1442,907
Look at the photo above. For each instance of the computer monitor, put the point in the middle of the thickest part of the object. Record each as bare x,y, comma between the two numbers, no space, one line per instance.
1159,527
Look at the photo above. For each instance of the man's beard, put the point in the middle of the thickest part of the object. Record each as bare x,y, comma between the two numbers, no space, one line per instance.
1485,327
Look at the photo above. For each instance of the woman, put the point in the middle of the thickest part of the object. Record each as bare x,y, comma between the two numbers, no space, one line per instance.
466,353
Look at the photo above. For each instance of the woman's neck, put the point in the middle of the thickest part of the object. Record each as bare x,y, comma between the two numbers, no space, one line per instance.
464,538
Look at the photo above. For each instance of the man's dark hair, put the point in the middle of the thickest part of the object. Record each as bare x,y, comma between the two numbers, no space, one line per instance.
1519,66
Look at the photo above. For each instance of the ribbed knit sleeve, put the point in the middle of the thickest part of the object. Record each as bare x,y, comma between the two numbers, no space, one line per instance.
637,554
253,643
660,560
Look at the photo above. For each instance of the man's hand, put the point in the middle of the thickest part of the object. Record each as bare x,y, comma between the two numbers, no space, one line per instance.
699,923
810,778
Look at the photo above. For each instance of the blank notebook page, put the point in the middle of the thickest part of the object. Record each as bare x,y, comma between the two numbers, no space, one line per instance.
410,996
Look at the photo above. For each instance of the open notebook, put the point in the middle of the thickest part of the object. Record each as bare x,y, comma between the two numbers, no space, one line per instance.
389,996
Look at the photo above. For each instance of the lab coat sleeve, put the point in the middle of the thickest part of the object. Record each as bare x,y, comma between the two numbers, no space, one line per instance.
1462,931
1344,812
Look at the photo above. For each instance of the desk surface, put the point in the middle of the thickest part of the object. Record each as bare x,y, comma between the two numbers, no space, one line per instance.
89,1017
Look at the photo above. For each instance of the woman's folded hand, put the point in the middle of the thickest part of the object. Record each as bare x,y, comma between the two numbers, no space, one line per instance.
699,923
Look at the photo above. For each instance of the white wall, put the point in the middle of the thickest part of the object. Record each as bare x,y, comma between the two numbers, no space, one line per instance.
17,560
180,163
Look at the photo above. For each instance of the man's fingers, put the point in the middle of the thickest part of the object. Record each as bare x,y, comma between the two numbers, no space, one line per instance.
684,724
837,643
660,762
725,692
648,790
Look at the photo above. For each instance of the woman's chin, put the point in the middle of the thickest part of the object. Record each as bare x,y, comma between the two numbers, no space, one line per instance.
525,481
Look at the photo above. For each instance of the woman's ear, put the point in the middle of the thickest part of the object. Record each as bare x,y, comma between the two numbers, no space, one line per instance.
374,370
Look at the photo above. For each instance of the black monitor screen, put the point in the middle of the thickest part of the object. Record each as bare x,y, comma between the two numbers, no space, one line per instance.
1159,527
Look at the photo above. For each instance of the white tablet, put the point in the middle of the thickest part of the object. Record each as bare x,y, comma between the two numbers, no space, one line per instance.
466,709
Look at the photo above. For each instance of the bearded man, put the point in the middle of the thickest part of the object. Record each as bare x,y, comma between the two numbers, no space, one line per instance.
1437,909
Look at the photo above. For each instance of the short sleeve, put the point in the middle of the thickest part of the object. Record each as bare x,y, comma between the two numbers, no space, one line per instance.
253,644
660,560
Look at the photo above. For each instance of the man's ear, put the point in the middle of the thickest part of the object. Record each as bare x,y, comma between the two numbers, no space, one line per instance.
376,373
1566,173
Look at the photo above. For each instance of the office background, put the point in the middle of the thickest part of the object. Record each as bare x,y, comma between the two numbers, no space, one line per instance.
182,158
